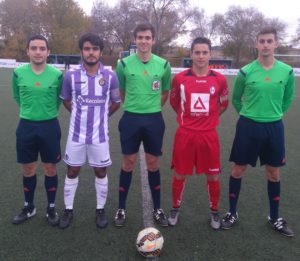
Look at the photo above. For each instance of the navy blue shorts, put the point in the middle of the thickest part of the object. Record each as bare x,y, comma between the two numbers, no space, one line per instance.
256,139
34,137
136,128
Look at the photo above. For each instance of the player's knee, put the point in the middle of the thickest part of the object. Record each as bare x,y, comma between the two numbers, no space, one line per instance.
179,177
73,172
273,174
238,171
127,166
274,178
29,169
212,178
100,172
152,166
49,170
128,163
152,163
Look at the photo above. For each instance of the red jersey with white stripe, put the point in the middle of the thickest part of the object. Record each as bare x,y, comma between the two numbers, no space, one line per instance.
198,100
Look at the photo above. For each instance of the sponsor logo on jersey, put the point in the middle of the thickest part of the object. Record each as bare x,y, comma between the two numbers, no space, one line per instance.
201,81
200,102
95,101
80,100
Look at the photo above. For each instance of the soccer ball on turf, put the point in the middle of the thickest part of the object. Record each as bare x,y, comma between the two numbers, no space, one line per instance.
149,242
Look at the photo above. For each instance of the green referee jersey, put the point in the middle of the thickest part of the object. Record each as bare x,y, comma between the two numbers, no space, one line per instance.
37,95
264,95
143,83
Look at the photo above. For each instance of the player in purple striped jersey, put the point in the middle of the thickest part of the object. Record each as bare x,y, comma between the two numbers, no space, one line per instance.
91,94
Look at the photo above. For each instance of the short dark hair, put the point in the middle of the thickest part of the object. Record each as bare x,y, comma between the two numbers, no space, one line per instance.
201,40
144,27
37,37
268,30
93,38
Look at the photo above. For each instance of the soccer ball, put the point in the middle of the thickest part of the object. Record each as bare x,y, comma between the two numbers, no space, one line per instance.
149,242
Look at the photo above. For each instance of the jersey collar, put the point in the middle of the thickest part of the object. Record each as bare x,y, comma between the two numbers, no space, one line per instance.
100,70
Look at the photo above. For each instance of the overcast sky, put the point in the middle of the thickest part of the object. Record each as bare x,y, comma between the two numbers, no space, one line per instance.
286,10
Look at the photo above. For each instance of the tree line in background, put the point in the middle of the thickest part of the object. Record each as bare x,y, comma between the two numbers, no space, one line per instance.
63,21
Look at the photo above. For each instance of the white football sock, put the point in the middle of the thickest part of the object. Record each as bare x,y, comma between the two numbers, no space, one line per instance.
69,191
101,186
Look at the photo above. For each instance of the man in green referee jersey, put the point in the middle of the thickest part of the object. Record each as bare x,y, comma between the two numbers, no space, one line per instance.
263,91
36,88
144,81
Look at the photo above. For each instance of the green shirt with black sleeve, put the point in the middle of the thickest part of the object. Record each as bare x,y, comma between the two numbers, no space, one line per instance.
143,83
264,95
37,94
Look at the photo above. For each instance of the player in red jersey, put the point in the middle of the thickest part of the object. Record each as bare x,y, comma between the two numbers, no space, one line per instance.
198,96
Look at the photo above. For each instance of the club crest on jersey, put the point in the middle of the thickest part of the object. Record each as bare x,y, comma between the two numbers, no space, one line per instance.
101,80
37,84
212,90
155,85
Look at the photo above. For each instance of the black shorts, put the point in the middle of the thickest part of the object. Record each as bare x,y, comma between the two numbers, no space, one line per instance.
136,128
256,139
34,137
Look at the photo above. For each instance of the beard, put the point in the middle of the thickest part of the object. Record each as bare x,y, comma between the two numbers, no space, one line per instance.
90,63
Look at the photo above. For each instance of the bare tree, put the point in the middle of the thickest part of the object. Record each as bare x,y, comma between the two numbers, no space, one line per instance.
169,17
296,39
239,28
115,24
18,16
63,21
18,20
206,26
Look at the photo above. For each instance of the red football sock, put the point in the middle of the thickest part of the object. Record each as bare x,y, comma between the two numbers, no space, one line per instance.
213,190
177,189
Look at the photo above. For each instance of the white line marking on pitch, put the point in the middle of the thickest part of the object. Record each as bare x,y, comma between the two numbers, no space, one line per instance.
146,195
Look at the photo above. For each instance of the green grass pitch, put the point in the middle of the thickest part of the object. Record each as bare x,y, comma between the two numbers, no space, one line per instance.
192,239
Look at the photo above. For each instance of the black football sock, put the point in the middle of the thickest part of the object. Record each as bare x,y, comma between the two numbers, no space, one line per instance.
154,183
124,185
234,191
29,185
274,197
51,188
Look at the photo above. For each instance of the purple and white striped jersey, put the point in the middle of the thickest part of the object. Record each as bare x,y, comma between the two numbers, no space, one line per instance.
91,97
